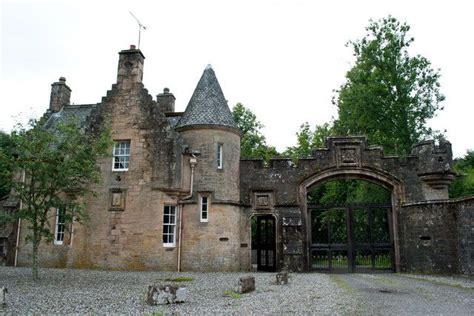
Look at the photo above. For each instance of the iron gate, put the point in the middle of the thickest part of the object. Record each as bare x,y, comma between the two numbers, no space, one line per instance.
266,259
354,238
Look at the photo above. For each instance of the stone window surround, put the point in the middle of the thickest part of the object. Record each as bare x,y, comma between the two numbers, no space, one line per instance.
171,231
121,158
59,227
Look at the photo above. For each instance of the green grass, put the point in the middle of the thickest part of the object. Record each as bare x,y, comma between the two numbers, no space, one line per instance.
340,282
180,279
232,294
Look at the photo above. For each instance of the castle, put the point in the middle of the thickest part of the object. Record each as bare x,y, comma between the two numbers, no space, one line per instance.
177,195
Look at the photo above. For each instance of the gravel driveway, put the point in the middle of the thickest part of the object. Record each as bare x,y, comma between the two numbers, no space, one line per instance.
93,291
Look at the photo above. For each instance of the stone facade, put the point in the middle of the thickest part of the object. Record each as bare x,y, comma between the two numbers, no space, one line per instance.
189,164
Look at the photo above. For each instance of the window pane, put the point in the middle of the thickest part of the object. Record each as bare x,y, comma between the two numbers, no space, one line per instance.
169,222
121,154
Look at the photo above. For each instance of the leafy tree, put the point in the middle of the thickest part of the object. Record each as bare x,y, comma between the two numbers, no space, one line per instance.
388,95
252,143
463,184
340,192
6,152
308,139
56,169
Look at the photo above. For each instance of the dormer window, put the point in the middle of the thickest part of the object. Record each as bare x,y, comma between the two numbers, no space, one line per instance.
121,154
220,157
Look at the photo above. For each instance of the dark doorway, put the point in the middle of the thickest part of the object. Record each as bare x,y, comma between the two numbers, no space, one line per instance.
263,243
353,234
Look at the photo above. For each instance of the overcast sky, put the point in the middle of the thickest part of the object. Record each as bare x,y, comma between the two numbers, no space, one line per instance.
281,59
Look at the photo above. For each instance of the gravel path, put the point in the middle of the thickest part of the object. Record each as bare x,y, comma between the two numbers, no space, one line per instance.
98,292
405,294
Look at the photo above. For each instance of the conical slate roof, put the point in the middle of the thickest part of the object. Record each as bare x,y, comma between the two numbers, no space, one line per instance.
208,105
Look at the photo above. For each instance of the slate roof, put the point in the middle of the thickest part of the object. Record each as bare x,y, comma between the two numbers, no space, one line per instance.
208,105
77,112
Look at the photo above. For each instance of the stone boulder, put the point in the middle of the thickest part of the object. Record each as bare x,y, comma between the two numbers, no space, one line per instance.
166,294
246,284
282,278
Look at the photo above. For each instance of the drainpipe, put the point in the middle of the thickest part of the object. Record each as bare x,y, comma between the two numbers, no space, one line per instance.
72,230
192,163
19,224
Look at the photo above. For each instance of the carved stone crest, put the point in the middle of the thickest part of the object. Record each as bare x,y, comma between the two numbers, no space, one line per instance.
263,200
348,156
117,200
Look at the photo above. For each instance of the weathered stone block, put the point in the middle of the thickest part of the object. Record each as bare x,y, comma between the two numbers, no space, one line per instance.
246,284
166,294
3,299
282,278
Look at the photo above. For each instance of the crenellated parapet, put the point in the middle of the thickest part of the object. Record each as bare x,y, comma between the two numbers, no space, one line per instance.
424,175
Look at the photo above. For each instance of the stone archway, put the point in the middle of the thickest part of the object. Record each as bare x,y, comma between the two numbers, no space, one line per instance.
280,187
379,177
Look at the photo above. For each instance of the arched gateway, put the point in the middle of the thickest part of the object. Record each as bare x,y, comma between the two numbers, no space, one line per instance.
280,190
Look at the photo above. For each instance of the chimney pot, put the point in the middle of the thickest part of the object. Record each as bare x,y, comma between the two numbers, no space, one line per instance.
166,90
62,79
133,47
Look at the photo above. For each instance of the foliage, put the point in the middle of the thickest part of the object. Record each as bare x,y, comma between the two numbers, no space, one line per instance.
232,294
464,183
340,192
308,139
5,165
55,169
252,143
388,95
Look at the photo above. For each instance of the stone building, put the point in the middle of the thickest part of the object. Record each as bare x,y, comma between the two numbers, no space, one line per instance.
177,196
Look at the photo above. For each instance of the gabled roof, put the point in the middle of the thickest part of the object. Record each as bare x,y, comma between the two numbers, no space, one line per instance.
208,105
70,113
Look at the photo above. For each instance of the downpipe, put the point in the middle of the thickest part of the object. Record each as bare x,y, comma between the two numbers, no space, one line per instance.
192,163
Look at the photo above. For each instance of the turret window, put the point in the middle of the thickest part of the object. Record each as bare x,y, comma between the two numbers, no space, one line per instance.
204,206
220,157
121,155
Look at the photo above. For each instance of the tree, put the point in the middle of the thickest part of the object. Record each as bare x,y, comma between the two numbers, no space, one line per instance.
56,168
6,152
388,95
307,140
252,143
464,183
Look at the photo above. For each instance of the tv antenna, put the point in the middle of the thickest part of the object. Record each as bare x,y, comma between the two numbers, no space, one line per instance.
140,27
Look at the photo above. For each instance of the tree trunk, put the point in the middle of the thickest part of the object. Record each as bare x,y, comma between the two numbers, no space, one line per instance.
36,242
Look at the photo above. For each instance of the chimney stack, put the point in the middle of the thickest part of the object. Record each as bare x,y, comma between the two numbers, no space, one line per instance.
130,67
60,95
165,101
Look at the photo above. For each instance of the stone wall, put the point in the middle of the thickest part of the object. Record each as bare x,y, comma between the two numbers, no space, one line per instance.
213,245
437,236
465,225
